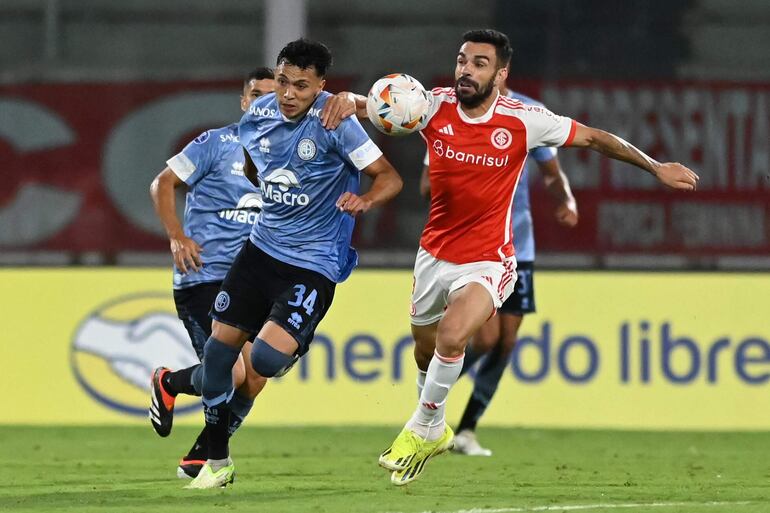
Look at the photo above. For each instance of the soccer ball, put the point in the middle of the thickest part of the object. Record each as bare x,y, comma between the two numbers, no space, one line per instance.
397,104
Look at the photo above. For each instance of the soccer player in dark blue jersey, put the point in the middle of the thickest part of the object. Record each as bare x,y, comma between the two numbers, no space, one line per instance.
222,204
282,282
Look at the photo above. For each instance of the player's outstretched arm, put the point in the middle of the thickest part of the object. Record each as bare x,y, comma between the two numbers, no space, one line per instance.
386,184
185,251
672,174
557,185
341,106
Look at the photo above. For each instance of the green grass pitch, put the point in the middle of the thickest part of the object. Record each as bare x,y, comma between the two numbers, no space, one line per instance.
334,470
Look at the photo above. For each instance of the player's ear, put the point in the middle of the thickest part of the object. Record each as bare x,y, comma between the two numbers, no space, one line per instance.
502,75
322,84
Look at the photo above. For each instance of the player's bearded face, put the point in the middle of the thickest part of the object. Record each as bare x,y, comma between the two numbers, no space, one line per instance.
296,89
472,93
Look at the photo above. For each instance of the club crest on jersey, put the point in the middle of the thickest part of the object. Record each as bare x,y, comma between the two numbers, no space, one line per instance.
306,149
501,138
202,138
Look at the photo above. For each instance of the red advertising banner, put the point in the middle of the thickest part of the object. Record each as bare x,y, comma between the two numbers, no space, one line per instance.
76,161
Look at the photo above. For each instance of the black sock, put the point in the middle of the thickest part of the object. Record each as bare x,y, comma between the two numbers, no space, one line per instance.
218,427
200,449
470,418
180,382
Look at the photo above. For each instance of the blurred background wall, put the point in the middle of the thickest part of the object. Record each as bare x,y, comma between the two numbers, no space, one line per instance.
96,95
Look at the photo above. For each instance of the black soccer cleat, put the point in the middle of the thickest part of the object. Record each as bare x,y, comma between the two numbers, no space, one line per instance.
189,469
162,405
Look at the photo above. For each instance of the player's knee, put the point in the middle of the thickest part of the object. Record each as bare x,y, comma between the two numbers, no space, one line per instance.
450,342
268,361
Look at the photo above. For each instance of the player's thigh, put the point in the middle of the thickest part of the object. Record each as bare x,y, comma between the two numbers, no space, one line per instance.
243,303
298,306
193,305
469,307
429,293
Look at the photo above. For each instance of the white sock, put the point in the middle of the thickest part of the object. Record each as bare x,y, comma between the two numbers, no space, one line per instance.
428,418
420,381
218,464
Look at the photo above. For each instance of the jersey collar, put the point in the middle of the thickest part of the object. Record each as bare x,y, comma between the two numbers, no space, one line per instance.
481,119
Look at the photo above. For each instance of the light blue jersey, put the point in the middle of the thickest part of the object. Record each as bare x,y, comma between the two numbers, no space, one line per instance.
221,204
303,170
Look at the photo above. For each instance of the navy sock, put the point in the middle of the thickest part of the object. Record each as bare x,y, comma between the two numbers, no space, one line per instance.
239,408
218,360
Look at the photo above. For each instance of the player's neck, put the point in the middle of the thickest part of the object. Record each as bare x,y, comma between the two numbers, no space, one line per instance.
481,109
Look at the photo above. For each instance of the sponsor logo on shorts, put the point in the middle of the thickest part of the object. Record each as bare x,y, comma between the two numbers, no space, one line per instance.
295,320
222,301
306,149
116,348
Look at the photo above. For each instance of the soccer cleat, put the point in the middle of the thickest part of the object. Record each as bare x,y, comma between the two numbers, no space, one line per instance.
466,443
427,451
162,405
403,450
189,469
208,479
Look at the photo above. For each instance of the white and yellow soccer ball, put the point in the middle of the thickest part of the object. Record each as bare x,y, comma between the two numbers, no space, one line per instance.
397,104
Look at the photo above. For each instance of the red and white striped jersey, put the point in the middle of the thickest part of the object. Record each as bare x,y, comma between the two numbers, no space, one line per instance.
475,164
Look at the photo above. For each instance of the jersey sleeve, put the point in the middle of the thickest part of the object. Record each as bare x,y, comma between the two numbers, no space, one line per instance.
544,128
543,154
354,144
195,160
437,95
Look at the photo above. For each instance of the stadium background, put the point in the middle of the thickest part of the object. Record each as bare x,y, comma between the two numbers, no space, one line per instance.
652,312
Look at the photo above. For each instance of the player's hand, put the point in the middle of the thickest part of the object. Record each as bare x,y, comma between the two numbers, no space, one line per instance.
567,213
677,176
338,107
353,204
186,253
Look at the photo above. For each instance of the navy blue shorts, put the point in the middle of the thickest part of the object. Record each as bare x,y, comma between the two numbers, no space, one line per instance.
193,305
522,301
259,288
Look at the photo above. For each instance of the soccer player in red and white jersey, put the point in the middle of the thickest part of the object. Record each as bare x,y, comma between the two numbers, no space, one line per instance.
466,266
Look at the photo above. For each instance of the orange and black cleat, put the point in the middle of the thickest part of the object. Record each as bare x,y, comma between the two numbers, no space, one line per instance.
162,406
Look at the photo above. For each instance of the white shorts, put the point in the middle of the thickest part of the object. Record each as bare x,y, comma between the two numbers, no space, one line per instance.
435,280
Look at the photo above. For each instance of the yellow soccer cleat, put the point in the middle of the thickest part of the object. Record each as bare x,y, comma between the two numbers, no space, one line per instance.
402,451
420,460
207,478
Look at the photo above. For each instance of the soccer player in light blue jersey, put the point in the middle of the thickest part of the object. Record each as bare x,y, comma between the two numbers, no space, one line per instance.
282,282
495,341
221,206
